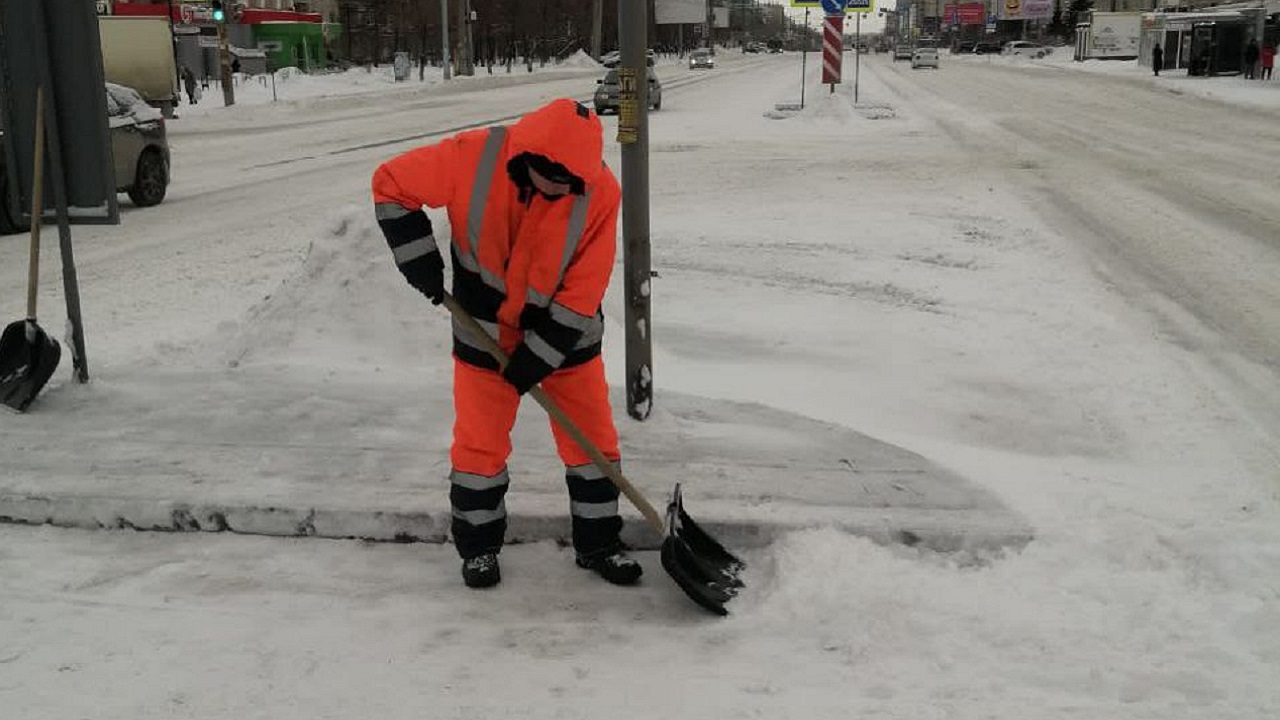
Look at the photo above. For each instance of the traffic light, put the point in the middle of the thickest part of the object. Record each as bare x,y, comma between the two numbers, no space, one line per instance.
218,15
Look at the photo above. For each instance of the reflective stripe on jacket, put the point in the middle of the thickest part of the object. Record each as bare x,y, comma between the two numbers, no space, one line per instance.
533,273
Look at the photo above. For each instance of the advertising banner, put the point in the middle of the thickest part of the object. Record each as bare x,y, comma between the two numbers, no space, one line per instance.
55,43
1026,9
679,12
850,6
967,13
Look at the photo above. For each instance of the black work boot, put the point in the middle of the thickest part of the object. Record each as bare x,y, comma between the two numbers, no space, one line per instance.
612,565
481,571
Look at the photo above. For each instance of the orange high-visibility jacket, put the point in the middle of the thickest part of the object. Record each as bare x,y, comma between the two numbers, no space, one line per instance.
532,273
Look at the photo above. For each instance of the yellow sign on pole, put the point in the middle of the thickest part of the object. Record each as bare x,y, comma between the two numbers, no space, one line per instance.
628,105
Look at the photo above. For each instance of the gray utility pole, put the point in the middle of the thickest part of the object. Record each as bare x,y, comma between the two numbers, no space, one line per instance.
857,56
597,20
224,65
464,39
709,21
633,134
444,36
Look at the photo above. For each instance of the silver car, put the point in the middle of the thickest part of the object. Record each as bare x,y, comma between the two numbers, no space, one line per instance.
924,57
606,97
1022,48
139,147
701,60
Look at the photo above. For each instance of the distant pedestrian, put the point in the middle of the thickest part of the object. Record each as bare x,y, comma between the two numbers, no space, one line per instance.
189,82
1251,60
1268,61
1157,59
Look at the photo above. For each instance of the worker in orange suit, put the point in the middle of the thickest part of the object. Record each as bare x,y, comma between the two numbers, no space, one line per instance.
534,212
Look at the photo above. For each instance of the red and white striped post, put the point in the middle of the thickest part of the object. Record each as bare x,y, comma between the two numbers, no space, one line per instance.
832,48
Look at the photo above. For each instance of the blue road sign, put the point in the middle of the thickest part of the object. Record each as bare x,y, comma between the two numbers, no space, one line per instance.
834,7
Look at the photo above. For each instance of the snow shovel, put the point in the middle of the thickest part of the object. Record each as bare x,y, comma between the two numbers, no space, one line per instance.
28,356
701,566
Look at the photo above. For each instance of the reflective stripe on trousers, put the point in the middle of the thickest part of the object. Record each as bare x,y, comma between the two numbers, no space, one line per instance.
485,408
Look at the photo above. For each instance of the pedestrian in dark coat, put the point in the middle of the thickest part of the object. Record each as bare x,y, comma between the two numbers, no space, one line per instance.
1157,59
189,82
1251,59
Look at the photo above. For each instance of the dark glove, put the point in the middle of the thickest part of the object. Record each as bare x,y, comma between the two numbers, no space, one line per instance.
426,275
525,369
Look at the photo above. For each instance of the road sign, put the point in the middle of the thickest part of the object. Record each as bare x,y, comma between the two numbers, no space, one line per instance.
832,48
859,6
834,7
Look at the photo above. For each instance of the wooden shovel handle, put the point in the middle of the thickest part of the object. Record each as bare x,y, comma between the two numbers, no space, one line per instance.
608,468
37,207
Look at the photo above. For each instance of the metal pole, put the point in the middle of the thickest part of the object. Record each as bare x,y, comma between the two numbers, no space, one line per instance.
467,41
804,54
444,36
53,141
857,53
707,25
597,21
633,133
224,59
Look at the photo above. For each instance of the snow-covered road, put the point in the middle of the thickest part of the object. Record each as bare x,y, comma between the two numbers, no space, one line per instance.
1059,284
1173,195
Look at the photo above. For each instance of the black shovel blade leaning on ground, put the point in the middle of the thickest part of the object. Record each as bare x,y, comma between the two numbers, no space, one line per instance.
701,566
28,357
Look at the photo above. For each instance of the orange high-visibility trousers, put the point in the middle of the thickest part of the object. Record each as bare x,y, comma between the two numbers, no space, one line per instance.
485,407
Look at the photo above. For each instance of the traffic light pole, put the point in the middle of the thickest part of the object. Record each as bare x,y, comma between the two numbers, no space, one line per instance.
224,60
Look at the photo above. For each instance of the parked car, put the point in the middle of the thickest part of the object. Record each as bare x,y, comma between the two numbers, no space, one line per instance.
986,48
924,57
613,58
1023,48
902,51
139,148
701,60
606,97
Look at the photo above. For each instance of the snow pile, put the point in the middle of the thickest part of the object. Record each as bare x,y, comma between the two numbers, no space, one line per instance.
579,60
345,307
968,632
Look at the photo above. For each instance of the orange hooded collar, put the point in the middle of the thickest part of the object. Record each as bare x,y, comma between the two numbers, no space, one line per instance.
565,132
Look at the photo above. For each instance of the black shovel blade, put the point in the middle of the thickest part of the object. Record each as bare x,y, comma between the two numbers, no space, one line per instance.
701,566
28,357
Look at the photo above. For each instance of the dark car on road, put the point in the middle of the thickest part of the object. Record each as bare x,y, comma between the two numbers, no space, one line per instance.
606,97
